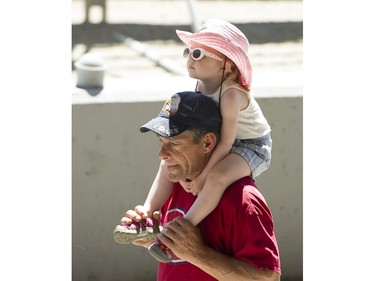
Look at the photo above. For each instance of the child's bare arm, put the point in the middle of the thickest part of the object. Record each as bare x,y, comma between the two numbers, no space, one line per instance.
159,192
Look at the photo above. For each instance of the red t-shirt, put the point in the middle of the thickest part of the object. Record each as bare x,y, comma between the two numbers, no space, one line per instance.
241,226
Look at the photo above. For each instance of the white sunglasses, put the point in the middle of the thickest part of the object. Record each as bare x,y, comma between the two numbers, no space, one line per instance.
199,53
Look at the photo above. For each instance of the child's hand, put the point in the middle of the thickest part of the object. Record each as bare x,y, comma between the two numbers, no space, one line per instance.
196,185
185,185
137,215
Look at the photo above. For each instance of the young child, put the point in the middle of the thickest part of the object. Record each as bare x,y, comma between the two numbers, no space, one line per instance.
217,56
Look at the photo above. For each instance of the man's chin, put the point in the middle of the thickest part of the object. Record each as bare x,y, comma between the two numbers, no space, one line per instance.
176,178
173,178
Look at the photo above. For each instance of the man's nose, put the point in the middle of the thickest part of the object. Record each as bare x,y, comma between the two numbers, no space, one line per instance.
163,152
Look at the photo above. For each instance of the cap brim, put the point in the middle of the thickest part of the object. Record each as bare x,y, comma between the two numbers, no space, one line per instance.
163,127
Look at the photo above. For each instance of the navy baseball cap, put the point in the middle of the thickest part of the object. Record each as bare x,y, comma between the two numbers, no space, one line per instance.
183,111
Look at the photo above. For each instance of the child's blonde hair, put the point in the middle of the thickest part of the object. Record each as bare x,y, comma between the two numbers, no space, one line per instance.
232,73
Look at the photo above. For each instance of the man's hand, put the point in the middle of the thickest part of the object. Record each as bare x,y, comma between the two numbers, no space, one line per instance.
183,238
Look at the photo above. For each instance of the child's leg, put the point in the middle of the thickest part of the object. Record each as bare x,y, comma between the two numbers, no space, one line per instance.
159,192
233,167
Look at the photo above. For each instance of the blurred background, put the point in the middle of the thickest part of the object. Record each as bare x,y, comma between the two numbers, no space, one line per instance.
113,165
274,30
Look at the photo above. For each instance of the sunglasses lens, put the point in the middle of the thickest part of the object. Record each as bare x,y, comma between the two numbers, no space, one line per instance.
197,54
186,52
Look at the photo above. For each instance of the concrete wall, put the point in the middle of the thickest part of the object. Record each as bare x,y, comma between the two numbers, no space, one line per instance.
113,168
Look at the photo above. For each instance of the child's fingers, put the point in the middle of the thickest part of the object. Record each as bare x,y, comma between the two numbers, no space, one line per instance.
156,215
141,211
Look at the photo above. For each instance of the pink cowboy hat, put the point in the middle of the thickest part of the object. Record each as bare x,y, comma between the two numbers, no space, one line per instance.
225,38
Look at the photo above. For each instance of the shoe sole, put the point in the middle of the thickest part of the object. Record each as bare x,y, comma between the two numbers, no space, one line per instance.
158,254
127,236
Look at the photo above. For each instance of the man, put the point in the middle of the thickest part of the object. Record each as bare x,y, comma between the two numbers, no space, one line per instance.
237,240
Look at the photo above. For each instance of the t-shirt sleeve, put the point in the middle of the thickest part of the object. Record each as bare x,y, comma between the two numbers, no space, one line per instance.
252,231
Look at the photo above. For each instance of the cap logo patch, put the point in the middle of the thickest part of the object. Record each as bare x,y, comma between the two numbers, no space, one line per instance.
171,105
174,104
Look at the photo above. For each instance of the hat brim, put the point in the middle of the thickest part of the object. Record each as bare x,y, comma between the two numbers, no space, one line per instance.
220,43
164,127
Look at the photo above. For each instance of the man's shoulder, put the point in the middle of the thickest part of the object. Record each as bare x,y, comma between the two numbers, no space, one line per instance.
245,184
242,192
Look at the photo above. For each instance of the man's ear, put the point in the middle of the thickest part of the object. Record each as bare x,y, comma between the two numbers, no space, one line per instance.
210,142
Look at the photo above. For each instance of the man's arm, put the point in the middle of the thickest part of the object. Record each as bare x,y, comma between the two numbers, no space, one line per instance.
226,268
184,239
